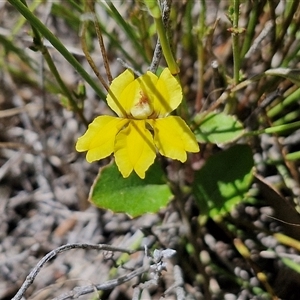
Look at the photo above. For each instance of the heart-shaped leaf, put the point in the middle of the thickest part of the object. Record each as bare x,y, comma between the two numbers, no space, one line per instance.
133,195
223,181
217,128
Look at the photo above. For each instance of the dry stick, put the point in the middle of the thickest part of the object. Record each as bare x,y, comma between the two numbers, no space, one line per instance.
127,66
79,291
158,50
178,284
156,57
88,56
30,278
91,5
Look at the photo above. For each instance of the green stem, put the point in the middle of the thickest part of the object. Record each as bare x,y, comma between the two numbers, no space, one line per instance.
19,24
275,129
61,83
36,23
129,31
38,45
155,11
289,117
235,42
165,45
235,31
201,57
115,43
76,6
250,28
288,180
293,156
288,55
293,98
189,36
289,12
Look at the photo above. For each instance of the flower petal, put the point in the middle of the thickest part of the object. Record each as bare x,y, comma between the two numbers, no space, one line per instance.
130,97
173,137
99,139
121,93
134,149
169,94
148,83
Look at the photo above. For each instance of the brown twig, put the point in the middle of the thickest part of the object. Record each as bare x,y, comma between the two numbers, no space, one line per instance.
100,40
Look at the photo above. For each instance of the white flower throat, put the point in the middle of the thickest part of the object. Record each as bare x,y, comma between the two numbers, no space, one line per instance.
142,109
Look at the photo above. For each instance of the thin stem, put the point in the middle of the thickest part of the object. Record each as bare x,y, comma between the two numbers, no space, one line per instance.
115,43
155,11
201,57
289,117
108,285
129,31
235,32
290,10
61,83
275,129
235,42
227,94
38,45
292,98
57,44
88,56
291,44
101,42
76,5
174,69
30,278
293,156
20,23
253,19
156,57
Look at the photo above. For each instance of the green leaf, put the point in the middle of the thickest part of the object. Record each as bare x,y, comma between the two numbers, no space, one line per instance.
292,74
223,181
291,264
133,195
217,128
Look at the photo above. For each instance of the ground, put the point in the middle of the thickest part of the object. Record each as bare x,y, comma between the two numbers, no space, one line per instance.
45,183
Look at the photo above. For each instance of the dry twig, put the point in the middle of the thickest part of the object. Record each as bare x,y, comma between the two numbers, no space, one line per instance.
31,277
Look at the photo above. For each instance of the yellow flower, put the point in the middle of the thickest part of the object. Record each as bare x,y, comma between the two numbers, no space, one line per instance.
143,124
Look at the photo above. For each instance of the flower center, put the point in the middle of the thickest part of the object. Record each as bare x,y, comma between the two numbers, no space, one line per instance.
142,109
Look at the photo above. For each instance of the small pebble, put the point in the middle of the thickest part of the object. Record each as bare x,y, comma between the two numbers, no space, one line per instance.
230,297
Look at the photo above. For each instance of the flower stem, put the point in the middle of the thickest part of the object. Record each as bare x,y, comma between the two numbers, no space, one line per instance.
155,12
289,100
201,56
235,42
91,6
250,32
231,104
275,129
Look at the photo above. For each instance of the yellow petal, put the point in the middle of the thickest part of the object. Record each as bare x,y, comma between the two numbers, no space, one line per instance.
121,93
134,149
168,95
148,82
130,97
99,139
173,138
